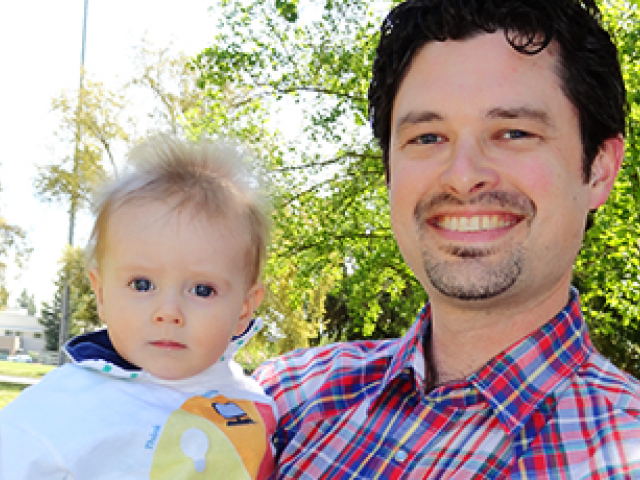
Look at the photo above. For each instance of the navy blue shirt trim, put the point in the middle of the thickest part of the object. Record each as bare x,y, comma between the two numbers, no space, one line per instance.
96,346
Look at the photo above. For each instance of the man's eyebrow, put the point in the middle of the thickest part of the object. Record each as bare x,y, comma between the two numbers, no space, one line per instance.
519,113
413,118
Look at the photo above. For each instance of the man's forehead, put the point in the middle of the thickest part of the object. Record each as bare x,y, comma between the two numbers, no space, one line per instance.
476,66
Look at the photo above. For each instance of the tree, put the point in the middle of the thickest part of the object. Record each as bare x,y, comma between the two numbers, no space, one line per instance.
89,127
4,297
83,311
608,268
166,79
14,245
27,302
329,189
50,318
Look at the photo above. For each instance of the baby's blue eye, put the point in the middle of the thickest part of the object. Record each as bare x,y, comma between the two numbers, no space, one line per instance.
203,291
142,284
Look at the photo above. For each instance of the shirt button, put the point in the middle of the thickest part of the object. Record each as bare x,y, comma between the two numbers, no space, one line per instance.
401,456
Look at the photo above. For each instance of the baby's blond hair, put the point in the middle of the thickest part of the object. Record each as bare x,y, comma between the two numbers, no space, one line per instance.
210,179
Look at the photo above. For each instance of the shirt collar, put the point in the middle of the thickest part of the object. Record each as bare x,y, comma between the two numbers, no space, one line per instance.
96,346
517,380
409,353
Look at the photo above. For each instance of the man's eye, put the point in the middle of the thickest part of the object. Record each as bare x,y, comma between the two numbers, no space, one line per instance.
427,139
203,291
515,134
142,285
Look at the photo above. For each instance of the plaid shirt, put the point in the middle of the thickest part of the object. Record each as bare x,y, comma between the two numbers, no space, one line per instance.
549,407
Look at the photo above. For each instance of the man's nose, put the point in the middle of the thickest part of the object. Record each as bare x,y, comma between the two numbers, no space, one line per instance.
468,171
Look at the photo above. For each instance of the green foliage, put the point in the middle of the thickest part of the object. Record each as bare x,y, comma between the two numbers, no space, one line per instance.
287,9
71,180
13,245
340,325
84,312
331,211
4,297
88,122
27,302
50,316
608,269
82,304
12,240
171,83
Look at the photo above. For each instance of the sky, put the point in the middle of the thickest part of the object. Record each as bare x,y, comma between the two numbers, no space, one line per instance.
40,52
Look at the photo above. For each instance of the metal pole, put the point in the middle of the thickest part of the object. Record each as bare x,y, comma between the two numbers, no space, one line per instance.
64,321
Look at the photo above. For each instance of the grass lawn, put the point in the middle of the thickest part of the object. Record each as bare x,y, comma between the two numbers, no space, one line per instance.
9,391
31,370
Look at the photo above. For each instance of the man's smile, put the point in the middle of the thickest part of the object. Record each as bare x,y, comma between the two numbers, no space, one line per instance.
475,223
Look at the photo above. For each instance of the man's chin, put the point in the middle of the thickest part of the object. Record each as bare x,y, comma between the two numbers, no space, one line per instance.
464,287
472,293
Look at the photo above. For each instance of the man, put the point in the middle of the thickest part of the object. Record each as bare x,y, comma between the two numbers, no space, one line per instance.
501,125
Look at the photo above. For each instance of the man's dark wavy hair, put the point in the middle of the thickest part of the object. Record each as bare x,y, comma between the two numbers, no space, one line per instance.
589,69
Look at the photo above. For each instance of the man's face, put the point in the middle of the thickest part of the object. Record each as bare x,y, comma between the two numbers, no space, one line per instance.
486,193
172,288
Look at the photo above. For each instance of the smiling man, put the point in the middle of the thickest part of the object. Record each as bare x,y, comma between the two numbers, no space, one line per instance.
501,125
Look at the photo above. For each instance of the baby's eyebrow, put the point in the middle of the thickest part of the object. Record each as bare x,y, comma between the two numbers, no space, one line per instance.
135,267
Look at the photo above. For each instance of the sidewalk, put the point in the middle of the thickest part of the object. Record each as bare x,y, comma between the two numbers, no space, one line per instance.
19,380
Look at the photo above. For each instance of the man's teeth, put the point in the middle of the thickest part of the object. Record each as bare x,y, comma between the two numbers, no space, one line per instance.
474,224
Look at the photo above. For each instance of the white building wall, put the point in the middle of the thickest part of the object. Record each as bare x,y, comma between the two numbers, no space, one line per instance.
16,323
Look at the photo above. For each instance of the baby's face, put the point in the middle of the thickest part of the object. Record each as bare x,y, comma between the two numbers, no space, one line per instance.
172,288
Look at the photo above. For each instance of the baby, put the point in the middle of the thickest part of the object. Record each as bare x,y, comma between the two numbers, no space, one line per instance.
174,260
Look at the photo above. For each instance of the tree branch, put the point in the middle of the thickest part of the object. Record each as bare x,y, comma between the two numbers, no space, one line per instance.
293,249
338,159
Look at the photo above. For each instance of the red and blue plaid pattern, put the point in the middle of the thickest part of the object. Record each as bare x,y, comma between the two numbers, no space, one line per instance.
550,407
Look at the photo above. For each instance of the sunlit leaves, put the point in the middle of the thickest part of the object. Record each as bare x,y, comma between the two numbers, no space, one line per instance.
331,214
608,268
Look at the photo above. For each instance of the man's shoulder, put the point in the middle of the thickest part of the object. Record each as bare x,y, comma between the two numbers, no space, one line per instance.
325,361
301,375
597,420
603,384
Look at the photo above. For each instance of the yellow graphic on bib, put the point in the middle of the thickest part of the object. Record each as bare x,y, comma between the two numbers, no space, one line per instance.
211,438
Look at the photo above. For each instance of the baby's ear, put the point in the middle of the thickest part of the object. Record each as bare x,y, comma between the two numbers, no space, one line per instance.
252,300
96,286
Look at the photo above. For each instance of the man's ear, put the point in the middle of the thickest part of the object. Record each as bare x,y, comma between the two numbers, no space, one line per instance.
604,170
96,286
252,300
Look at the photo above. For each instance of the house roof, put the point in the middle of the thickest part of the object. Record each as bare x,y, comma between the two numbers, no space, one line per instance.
14,319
